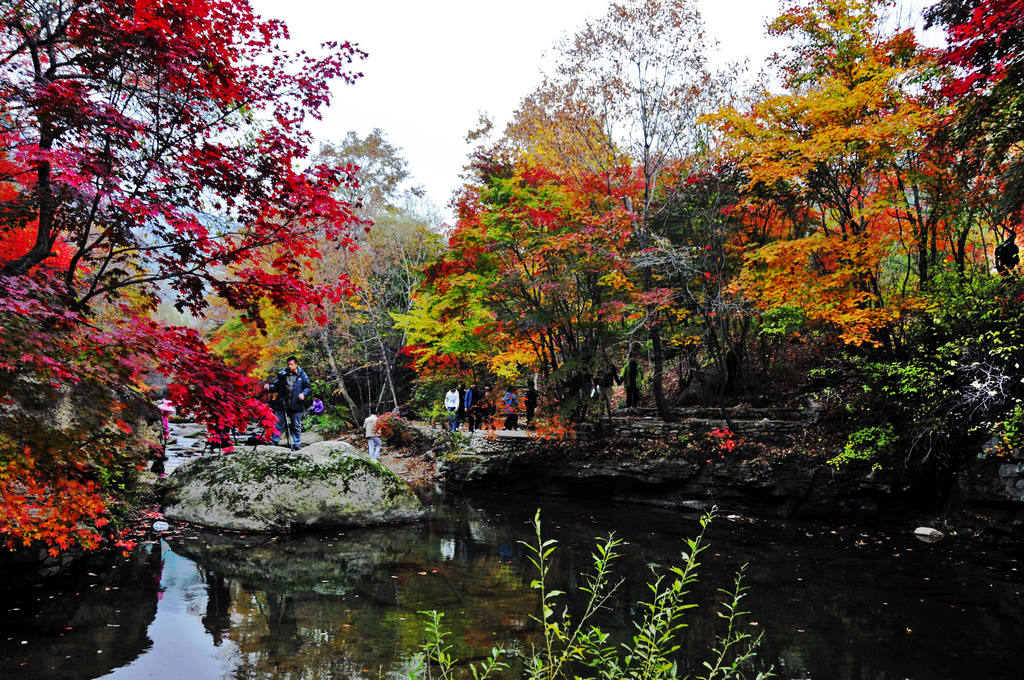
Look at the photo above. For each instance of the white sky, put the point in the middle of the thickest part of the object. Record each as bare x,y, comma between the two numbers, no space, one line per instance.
434,64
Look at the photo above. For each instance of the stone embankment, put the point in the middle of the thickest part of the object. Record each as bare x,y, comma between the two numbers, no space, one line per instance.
636,458
991,485
750,423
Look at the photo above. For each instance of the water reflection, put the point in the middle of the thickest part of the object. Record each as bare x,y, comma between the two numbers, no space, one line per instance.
329,564
346,604
842,602
217,620
834,603
83,626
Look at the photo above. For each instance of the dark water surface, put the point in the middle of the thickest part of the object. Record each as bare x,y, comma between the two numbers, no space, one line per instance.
833,602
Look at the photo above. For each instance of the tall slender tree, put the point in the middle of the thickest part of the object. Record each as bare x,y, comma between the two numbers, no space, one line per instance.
629,90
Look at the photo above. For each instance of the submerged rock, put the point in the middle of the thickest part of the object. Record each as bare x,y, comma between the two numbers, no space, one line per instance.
327,484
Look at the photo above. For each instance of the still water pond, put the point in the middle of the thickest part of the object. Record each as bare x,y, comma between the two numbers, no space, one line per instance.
833,602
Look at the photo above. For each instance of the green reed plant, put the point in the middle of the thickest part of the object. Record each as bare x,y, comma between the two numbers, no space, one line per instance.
575,648
435,662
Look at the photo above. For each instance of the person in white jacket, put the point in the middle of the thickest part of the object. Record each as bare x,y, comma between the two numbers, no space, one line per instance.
451,404
372,435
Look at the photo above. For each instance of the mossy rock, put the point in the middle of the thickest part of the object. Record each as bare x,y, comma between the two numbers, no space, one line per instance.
327,484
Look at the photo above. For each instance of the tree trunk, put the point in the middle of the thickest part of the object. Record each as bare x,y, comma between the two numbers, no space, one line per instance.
44,239
659,371
387,369
336,376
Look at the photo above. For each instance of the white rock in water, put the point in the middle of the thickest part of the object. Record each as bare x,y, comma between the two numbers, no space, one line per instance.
928,534
161,526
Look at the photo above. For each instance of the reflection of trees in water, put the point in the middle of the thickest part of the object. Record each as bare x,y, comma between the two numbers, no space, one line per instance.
217,620
107,603
376,625
319,606
327,606
347,605
282,626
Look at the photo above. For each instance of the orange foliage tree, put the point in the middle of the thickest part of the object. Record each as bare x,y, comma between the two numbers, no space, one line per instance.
846,140
537,278
628,90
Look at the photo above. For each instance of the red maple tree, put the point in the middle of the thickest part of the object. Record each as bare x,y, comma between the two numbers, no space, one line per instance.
149,151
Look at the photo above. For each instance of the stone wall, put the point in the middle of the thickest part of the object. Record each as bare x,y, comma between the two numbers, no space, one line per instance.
991,484
608,461
755,424
795,487
735,413
651,428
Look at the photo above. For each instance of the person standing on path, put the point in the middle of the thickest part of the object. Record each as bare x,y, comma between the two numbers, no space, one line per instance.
487,409
451,404
372,435
1007,253
531,404
461,411
292,388
470,403
510,406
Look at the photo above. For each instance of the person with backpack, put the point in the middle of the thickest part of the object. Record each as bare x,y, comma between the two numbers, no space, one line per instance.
471,404
372,430
293,389
510,407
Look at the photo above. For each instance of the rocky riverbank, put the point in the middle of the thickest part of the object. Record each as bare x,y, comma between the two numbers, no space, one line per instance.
770,470
622,470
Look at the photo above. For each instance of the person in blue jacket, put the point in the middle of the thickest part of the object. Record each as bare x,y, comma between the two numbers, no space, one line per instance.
470,406
293,390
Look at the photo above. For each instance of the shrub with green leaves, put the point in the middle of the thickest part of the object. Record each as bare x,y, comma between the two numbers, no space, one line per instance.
334,420
875,444
449,443
577,648
953,380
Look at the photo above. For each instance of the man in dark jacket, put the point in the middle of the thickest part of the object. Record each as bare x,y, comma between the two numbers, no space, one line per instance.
531,404
293,389
471,404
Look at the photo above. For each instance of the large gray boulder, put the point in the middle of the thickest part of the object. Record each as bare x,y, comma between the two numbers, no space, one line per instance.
327,484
